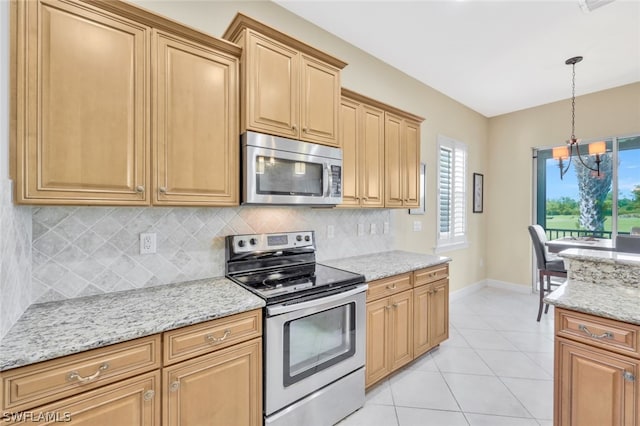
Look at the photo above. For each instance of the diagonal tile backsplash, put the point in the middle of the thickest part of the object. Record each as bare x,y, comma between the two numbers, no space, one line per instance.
80,251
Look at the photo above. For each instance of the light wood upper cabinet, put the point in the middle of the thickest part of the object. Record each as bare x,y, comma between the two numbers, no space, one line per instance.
289,88
81,115
196,128
82,74
362,141
402,159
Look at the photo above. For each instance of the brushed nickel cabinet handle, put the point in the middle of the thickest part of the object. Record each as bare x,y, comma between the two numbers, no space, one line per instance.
605,335
162,190
212,339
628,376
74,375
395,305
294,127
174,386
148,395
391,287
139,188
304,129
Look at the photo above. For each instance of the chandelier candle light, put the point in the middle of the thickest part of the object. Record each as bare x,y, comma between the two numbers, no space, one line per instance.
566,152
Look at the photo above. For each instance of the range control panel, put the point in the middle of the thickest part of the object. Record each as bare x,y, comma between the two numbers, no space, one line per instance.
269,242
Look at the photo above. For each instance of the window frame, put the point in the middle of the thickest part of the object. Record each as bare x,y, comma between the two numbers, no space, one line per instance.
453,241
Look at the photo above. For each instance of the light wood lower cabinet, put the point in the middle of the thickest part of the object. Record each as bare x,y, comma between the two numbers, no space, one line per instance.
211,375
222,388
596,378
407,315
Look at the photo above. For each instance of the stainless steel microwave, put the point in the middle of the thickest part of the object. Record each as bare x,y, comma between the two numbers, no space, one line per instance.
280,171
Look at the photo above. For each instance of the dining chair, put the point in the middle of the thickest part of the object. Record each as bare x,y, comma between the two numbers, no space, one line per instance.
548,264
628,243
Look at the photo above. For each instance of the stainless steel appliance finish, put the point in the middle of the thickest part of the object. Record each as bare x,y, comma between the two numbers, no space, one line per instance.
314,334
282,171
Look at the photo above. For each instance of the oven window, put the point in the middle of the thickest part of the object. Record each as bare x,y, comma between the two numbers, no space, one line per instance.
318,341
276,176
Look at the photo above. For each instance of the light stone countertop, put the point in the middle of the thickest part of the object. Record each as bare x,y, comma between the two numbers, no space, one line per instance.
600,256
381,265
54,329
618,302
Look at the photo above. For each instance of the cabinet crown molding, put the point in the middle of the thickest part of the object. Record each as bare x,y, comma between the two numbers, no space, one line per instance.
373,102
242,22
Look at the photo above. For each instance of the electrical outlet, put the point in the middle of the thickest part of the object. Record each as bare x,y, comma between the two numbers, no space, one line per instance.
147,243
360,229
331,231
374,229
417,225
385,228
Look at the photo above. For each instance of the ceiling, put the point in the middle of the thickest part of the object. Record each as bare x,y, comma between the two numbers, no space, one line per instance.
494,56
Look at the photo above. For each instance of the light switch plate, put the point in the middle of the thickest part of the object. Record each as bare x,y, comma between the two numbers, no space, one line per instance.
417,225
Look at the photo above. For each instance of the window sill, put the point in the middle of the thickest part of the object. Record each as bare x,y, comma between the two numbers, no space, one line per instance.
443,248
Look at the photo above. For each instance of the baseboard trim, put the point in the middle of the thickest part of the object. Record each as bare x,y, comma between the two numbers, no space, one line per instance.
509,286
465,291
518,288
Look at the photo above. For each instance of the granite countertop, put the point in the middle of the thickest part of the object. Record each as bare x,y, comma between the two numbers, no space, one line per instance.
385,264
54,329
600,256
618,302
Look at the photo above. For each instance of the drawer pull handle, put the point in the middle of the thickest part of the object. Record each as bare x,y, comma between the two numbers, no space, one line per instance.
75,376
139,188
212,339
605,335
148,395
433,274
391,287
174,386
629,377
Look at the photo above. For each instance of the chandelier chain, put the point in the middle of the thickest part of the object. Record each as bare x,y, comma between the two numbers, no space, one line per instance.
573,103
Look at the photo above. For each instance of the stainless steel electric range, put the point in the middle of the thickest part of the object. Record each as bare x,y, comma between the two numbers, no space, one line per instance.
314,334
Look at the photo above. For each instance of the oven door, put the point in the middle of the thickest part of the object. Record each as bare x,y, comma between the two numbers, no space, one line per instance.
312,344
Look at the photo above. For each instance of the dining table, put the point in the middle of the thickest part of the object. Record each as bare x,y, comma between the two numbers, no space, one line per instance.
591,243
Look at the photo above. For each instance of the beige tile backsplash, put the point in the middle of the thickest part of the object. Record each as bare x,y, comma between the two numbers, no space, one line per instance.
79,251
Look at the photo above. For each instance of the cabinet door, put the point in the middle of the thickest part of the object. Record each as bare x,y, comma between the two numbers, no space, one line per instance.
401,324
371,153
421,323
195,123
411,163
377,362
319,102
82,134
438,312
222,388
594,387
349,136
134,402
393,161
272,83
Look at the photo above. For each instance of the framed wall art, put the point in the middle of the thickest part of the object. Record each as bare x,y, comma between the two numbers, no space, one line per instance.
478,192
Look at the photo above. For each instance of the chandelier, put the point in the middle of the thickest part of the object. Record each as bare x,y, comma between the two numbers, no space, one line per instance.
564,153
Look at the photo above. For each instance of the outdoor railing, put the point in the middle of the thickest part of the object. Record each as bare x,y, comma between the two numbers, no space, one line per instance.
553,233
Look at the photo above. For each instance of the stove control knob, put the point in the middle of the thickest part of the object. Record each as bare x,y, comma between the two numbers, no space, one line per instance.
253,241
298,237
241,243
307,238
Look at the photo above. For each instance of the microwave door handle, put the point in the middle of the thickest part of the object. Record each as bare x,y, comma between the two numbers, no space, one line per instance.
328,181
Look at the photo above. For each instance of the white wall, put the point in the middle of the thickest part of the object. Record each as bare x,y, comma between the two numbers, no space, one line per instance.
15,222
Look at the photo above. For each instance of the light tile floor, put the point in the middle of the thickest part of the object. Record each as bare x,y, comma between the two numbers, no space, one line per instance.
496,369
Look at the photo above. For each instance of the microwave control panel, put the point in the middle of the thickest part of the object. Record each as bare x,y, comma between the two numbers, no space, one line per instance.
336,181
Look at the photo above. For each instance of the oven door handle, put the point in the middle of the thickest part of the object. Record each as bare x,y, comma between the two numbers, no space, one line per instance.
283,309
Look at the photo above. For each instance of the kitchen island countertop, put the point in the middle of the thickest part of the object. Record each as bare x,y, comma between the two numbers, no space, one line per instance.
54,329
385,264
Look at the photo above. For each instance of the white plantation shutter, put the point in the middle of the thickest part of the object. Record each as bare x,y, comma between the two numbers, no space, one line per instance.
452,213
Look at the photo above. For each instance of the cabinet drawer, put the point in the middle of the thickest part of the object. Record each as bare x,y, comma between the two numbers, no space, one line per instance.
37,384
429,275
596,331
389,286
191,341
